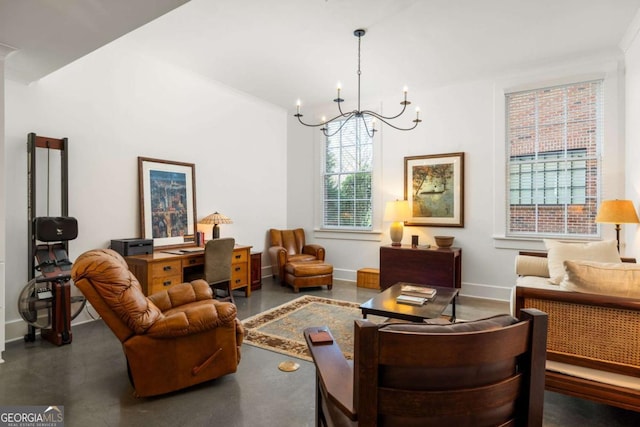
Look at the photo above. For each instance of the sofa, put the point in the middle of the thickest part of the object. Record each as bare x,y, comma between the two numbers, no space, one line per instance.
593,345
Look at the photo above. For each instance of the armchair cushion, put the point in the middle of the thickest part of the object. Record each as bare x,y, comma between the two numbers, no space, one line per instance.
181,294
615,279
111,278
558,252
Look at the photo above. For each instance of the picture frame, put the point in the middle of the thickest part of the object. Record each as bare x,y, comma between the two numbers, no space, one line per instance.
167,202
434,188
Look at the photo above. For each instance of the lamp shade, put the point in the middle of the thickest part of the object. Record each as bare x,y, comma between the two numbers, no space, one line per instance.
617,212
216,218
397,210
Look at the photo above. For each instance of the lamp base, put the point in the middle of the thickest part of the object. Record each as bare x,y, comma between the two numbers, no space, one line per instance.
395,232
215,233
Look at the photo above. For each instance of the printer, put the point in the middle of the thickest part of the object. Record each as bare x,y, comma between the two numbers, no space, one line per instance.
126,247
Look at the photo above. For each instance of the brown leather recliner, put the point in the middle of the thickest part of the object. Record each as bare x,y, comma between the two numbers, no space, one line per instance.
289,246
172,339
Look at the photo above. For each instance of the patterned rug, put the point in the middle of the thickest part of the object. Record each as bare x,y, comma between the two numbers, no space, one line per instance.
280,329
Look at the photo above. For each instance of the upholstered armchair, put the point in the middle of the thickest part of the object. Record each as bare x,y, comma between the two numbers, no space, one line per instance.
488,372
172,339
289,246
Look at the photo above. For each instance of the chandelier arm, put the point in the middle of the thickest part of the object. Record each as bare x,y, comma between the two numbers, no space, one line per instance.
383,120
347,115
344,122
381,117
342,114
366,128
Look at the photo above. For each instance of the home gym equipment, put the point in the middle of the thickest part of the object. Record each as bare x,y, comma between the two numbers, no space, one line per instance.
46,302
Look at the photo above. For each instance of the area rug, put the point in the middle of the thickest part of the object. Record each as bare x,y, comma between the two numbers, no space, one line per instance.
280,329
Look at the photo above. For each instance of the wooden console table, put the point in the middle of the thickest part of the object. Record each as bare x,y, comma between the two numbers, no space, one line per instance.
165,268
427,266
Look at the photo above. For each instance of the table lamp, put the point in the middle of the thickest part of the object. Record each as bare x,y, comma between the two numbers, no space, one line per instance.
397,212
617,212
215,219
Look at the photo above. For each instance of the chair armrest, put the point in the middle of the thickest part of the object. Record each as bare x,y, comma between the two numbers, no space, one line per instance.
181,294
279,256
315,250
334,372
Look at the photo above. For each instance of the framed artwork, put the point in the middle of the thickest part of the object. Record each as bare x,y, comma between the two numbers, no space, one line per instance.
167,202
434,187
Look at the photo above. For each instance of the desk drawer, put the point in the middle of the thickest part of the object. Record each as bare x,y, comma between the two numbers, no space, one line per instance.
193,261
165,269
239,275
162,283
239,257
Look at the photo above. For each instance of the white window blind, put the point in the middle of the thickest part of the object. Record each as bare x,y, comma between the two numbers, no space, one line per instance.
553,140
348,168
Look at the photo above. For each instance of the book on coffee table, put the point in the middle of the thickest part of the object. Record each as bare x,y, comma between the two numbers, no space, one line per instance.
418,291
408,299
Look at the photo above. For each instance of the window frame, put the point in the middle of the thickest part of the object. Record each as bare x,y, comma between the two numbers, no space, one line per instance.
343,174
612,177
543,204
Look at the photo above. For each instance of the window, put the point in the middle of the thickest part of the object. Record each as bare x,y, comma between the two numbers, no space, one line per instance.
554,136
347,173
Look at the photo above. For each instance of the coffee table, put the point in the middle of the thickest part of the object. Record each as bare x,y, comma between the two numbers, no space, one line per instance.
384,304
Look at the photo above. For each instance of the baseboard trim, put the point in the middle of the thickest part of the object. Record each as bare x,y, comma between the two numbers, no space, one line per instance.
498,293
16,329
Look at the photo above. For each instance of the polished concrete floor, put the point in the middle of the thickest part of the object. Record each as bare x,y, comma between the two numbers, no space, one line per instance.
89,378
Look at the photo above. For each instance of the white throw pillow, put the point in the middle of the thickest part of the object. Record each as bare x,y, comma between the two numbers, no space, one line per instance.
616,279
558,252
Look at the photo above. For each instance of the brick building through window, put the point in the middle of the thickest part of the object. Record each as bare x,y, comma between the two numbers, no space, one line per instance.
554,136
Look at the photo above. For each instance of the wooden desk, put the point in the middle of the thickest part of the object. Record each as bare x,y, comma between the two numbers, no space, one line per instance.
161,269
426,266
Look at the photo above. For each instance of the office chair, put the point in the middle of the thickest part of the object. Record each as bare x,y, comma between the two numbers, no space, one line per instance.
218,254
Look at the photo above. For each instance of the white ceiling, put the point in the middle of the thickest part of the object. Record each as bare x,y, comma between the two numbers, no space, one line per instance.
49,34
282,50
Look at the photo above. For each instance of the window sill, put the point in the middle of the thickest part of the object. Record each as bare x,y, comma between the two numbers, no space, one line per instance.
531,243
372,236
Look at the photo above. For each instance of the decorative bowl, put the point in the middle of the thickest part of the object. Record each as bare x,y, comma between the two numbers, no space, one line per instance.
444,241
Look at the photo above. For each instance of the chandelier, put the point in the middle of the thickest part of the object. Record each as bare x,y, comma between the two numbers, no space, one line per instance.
358,113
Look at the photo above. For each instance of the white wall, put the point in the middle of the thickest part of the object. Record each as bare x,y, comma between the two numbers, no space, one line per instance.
115,105
4,52
632,137
456,118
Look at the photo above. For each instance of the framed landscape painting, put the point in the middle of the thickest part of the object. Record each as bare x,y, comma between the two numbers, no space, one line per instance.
167,202
434,187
